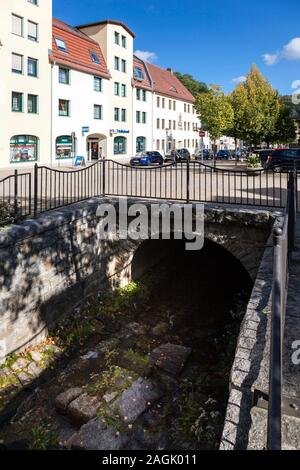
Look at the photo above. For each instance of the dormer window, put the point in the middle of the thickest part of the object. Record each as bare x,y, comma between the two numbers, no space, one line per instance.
173,88
95,58
61,45
138,73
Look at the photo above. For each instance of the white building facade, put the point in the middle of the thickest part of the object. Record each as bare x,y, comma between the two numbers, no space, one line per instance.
80,97
142,107
25,82
116,42
80,91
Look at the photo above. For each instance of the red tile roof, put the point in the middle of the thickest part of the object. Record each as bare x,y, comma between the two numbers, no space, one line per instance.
166,83
146,83
79,47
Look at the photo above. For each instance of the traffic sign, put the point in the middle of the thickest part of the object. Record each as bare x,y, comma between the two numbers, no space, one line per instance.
202,134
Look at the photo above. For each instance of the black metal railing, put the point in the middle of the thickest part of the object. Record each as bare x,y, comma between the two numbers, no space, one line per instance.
283,245
15,197
55,188
47,188
197,182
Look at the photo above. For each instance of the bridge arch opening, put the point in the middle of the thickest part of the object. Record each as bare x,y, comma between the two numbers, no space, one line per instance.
212,270
196,300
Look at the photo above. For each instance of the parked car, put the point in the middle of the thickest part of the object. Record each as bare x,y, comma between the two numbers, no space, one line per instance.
283,160
180,155
223,155
207,155
151,157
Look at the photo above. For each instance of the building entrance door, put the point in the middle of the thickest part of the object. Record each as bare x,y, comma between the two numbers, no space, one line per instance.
93,149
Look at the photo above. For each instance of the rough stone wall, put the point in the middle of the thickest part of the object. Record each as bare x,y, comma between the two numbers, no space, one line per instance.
50,265
250,370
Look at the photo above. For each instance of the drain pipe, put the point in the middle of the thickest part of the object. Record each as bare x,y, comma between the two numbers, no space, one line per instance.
152,104
51,112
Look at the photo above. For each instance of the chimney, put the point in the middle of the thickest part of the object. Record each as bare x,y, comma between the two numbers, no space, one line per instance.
170,70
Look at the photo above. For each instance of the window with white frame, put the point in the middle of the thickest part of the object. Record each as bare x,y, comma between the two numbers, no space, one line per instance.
17,25
61,45
17,63
32,31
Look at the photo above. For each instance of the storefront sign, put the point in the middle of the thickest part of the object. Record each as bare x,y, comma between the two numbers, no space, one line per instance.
79,161
119,131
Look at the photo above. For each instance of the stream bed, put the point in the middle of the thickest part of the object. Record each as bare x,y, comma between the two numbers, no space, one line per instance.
170,335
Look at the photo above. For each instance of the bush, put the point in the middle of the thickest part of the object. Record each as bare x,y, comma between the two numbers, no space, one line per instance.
6,212
254,161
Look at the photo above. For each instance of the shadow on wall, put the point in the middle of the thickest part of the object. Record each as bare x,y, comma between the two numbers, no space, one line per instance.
50,265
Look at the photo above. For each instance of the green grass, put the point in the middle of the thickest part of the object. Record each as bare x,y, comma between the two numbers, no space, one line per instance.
42,438
11,359
135,358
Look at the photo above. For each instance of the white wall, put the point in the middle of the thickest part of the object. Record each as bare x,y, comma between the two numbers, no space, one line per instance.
183,138
105,36
23,123
80,92
140,129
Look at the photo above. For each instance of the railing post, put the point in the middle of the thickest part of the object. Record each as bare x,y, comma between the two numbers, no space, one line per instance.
35,189
16,194
187,180
293,212
103,178
296,192
29,198
275,377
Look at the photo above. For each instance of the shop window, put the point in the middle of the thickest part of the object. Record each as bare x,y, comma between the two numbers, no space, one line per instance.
119,145
63,147
23,148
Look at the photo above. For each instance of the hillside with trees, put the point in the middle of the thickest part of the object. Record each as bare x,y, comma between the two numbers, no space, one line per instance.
194,86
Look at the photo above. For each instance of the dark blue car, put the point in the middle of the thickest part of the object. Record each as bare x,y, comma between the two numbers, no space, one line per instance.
223,154
147,158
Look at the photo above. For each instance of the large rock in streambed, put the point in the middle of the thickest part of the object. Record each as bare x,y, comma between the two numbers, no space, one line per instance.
83,409
97,435
171,358
63,400
137,398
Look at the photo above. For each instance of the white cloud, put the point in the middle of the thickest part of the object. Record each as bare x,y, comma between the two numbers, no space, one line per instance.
147,56
271,59
290,51
239,80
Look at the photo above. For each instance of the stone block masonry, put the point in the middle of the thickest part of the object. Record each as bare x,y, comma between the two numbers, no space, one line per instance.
50,265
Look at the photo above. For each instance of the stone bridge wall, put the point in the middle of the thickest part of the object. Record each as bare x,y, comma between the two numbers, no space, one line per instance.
50,265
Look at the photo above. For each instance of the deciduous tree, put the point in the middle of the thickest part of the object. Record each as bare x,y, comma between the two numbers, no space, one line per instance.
259,114
193,85
215,111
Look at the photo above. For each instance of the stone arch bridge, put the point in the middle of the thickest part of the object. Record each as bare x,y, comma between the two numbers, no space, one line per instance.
51,264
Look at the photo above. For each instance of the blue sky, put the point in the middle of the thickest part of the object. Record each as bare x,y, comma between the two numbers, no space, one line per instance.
214,40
